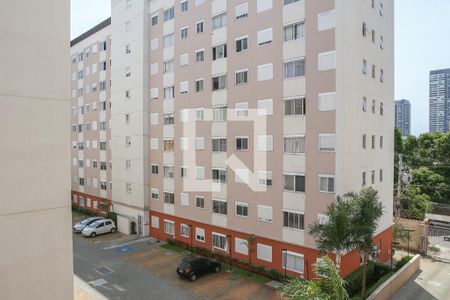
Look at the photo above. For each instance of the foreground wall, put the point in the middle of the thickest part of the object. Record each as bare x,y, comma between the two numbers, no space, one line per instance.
35,218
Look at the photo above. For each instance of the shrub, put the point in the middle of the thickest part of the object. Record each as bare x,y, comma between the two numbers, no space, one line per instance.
112,216
434,248
275,274
171,241
402,262
354,279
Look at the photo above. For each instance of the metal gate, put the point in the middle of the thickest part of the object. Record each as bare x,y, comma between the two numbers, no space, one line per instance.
439,242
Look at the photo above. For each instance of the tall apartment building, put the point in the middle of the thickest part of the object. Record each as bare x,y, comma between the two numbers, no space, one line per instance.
36,259
403,116
440,100
237,118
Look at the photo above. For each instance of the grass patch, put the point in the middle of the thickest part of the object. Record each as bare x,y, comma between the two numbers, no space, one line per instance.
242,273
172,248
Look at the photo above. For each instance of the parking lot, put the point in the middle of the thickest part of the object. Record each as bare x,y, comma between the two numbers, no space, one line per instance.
120,267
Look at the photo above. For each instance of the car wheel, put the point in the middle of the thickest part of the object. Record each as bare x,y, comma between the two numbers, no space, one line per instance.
93,235
193,277
113,230
217,269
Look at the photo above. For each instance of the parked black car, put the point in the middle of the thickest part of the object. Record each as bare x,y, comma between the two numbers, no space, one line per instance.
192,267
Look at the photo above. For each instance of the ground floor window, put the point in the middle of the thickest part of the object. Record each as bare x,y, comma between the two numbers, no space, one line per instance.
219,241
293,261
200,234
184,230
169,227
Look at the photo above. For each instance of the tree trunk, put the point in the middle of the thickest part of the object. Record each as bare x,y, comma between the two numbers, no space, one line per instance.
249,262
338,262
364,275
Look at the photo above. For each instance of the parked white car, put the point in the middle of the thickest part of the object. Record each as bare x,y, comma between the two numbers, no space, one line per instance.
86,222
99,227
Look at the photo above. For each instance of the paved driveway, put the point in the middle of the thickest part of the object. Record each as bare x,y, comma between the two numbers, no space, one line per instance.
431,282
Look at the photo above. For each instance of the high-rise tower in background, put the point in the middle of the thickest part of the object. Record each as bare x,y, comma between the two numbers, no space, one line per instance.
164,105
440,100
403,116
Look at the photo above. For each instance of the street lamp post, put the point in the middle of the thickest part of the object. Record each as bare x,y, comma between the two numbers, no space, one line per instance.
229,251
285,261
190,234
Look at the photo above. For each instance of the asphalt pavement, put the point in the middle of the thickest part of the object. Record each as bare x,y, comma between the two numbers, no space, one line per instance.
120,279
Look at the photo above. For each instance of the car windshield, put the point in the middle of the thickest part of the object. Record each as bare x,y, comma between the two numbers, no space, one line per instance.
85,221
93,225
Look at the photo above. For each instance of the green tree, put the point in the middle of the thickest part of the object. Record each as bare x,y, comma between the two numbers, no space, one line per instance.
367,212
335,236
430,183
414,204
329,286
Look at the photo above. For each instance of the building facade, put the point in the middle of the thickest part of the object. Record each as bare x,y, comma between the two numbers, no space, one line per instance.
238,118
440,100
36,260
403,116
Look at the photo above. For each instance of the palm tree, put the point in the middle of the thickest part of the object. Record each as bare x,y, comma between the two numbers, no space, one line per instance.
335,235
367,212
329,286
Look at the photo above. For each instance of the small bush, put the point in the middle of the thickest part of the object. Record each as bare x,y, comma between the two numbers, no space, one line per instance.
171,241
402,262
112,216
275,274
434,249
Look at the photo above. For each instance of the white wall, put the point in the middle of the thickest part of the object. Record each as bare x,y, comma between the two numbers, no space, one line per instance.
35,217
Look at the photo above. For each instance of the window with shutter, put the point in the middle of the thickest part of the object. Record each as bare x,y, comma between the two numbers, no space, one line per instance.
293,261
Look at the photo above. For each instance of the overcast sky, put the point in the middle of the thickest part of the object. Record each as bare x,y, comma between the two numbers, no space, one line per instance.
422,37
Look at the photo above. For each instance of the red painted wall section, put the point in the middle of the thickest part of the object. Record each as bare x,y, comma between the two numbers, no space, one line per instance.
98,199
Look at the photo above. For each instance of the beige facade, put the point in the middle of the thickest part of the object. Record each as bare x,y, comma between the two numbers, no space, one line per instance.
249,117
35,218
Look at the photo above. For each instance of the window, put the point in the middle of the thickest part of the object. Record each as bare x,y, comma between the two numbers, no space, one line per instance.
373,142
154,119
219,207
200,234
265,213
295,68
364,29
381,75
381,109
326,20
169,92
168,171
381,175
364,141
373,177
364,104
155,169
219,21
169,227
381,42
265,143
241,109
241,143
184,172
286,2
184,229
327,142
294,220
184,87
381,142
219,241
199,2
327,61
199,172
184,59
327,101
219,82
293,261
381,9
199,114
127,187
155,194
199,27
241,246
263,5
102,66
373,106
265,36
294,183
199,55
294,31
241,175
373,71
154,69
184,5
219,145
364,67
154,93
155,19
127,49
169,14
184,115
241,209
364,182
373,36
168,66
265,107
103,165
219,51
265,72
199,202
184,33
294,145
199,85
241,11
169,198
219,175
220,114
199,143
168,145
241,76
168,40
241,44
184,199
295,106
265,178
326,184
103,46
169,119
184,143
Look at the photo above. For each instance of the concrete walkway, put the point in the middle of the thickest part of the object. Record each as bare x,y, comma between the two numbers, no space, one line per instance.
431,282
